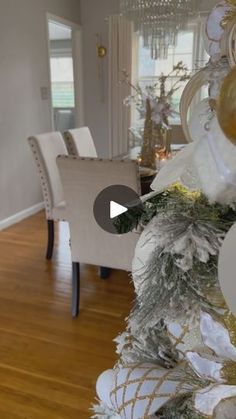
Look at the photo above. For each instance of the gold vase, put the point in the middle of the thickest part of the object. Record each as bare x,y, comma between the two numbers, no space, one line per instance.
156,141
148,151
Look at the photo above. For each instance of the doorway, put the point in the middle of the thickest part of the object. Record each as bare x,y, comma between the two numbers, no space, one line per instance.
65,65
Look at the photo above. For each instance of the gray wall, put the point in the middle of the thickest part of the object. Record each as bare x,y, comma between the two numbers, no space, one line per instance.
23,70
93,15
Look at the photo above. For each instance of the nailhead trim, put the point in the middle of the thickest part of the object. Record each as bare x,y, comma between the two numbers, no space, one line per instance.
44,181
70,145
108,160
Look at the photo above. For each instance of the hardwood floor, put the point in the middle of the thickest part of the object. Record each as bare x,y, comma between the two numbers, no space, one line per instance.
49,362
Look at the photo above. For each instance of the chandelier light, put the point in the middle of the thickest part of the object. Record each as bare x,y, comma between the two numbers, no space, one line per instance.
159,21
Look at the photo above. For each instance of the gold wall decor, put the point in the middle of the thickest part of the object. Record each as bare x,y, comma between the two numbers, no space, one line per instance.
101,49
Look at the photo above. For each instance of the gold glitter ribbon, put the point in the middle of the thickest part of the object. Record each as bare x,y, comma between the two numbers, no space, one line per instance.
230,15
147,376
230,323
229,373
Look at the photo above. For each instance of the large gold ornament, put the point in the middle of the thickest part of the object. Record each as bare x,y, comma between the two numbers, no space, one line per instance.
226,109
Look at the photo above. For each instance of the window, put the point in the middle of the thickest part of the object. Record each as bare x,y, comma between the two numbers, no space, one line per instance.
62,78
189,49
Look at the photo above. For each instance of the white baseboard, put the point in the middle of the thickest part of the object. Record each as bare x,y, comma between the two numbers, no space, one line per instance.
16,218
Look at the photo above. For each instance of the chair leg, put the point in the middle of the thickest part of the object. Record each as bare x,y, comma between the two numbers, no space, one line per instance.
75,288
105,272
50,239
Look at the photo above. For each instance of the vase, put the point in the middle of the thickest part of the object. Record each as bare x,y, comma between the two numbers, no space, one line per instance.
148,151
156,141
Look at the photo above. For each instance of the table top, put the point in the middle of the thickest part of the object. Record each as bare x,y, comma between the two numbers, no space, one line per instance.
135,151
147,175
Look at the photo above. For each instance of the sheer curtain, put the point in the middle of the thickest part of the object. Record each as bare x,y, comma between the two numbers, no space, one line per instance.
120,58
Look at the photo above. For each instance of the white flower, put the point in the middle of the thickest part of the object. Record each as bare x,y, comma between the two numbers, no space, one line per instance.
213,368
156,117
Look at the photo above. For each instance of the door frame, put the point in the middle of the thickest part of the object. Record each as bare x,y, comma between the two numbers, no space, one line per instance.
77,52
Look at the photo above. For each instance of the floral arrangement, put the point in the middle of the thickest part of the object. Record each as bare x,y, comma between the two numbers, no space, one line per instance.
160,100
155,106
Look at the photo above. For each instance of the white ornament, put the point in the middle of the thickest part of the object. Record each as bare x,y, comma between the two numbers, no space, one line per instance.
227,269
141,390
104,386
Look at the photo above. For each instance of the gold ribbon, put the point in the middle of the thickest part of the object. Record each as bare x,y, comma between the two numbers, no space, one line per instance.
230,15
230,323
229,373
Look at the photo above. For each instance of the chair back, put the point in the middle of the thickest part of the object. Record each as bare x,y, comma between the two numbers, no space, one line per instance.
46,148
80,142
83,180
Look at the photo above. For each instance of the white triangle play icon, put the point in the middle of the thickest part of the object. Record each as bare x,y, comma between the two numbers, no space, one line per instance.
116,209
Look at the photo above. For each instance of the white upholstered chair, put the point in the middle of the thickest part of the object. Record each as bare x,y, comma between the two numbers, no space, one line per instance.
80,142
83,180
46,148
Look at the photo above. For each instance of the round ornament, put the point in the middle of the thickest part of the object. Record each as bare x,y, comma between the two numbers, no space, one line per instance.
227,106
227,269
104,387
141,390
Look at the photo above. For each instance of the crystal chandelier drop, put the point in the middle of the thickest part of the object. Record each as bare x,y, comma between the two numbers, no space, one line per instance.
159,21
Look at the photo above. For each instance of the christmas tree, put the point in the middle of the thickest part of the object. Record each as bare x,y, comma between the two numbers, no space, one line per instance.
177,356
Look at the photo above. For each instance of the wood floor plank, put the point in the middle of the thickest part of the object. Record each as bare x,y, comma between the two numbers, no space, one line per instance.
49,362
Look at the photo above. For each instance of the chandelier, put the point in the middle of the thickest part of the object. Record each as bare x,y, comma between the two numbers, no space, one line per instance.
158,21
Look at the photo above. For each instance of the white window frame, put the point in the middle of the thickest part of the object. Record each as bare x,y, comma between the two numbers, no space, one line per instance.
197,59
77,62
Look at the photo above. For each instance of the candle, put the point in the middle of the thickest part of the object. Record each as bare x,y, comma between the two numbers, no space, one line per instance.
163,162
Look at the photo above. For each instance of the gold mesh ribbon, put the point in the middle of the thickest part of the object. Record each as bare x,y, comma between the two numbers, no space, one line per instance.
230,323
229,373
179,340
156,393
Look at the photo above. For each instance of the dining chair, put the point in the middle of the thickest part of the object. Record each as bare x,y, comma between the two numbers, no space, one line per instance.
45,148
80,142
83,179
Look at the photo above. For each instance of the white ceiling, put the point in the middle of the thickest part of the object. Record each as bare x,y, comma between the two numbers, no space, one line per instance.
58,31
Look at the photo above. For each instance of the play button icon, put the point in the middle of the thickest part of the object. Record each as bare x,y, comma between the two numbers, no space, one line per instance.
116,209
113,202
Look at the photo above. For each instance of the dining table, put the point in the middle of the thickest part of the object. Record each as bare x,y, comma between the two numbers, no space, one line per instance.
147,175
